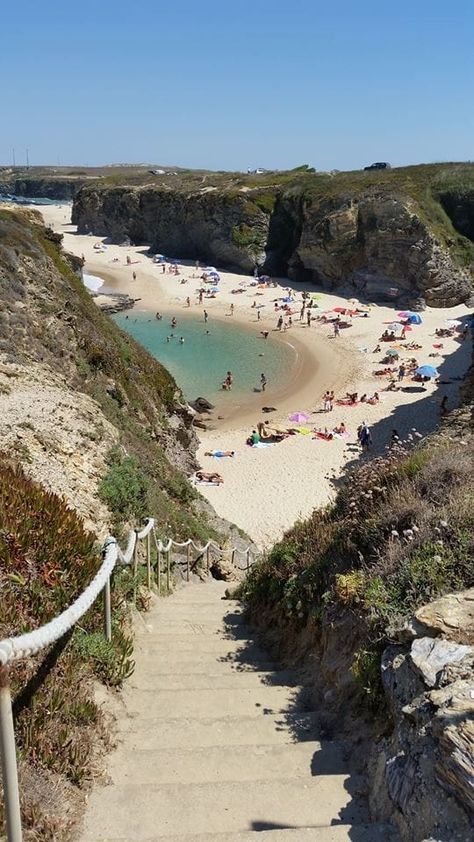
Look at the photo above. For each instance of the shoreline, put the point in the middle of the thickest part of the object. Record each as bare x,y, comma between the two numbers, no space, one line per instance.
301,387
266,490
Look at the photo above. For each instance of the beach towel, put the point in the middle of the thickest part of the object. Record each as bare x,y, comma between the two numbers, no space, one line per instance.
305,431
263,444
341,435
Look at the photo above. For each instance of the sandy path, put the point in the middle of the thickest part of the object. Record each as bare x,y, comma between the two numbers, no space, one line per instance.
266,490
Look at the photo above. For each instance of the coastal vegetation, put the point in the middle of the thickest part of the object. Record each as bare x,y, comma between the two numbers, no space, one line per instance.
46,560
399,534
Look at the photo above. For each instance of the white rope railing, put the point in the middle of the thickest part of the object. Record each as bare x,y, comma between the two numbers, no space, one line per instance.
25,645
29,644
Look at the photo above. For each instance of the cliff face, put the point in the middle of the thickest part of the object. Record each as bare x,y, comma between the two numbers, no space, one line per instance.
74,389
229,230
372,238
62,189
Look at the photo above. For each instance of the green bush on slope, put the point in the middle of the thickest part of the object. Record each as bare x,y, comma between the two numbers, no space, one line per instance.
399,534
46,561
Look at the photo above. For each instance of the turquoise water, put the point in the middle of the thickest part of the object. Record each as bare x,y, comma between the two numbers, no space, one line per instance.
199,366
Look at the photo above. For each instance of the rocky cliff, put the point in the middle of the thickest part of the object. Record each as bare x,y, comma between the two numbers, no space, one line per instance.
409,230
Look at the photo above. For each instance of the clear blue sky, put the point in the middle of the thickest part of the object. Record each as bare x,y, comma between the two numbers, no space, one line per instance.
227,85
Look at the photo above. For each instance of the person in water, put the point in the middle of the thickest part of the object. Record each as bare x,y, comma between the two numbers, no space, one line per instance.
263,382
181,340
174,321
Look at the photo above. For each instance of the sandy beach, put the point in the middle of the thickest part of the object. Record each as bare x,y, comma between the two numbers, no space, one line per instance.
266,489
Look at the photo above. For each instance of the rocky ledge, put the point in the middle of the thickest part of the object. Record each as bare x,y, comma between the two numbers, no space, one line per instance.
424,772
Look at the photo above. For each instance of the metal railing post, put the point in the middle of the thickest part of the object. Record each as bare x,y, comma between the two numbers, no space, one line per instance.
148,561
168,564
107,611
8,758
188,552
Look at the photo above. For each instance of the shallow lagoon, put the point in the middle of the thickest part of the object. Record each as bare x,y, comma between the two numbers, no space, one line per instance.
199,366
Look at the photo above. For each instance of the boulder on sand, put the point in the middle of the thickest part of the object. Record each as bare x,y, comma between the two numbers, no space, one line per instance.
202,405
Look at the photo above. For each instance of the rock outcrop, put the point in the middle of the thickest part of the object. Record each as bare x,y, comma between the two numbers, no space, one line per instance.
424,772
377,241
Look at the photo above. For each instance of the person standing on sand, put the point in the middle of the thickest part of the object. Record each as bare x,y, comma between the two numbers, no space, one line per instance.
206,316
232,309
331,401
258,315
364,436
308,318
337,330
188,301
280,322
326,401
401,372
302,312
263,382
200,296
163,269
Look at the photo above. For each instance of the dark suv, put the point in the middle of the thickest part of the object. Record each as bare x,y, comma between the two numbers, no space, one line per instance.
380,165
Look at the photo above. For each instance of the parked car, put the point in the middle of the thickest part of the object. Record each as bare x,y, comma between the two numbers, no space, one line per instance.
380,165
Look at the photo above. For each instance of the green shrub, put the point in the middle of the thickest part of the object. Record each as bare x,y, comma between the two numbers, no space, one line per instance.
125,488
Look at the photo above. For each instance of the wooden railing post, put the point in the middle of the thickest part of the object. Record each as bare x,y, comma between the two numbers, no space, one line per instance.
135,566
107,611
148,561
159,570
8,758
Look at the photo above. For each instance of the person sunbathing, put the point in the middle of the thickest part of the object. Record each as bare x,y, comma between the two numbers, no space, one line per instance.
352,397
267,434
341,429
374,399
205,476
220,453
326,434
377,349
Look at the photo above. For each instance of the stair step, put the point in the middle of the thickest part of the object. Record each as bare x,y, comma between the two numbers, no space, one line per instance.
151,733
194,704
197,643
207,680
183,661
377,832
194,629
156,810
224,763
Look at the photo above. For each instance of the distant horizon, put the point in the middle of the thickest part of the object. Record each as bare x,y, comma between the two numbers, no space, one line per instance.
143,164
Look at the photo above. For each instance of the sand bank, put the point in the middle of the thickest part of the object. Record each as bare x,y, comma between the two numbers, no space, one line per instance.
266,490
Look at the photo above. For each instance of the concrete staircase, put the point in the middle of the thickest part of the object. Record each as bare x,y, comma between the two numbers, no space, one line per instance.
216,744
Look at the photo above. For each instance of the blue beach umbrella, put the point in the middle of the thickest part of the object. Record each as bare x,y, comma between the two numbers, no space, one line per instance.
427,371
415,319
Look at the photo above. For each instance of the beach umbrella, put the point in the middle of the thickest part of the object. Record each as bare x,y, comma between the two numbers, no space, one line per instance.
404,314
210,269
299,417
453,322
415,319
288,299
392,352
427,371
394,326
